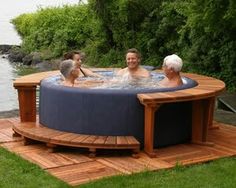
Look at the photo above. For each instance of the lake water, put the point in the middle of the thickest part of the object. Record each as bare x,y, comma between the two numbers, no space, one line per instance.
8,96
8,10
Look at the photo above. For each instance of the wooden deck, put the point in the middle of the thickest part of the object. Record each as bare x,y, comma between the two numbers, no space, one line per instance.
31,131
202,98
75,167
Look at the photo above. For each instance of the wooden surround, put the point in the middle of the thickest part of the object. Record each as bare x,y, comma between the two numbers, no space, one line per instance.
202,96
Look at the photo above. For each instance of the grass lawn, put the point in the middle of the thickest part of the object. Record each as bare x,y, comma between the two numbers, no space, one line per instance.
216,174
16,172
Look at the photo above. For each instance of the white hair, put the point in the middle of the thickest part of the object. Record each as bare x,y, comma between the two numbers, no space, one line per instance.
66,67
173,61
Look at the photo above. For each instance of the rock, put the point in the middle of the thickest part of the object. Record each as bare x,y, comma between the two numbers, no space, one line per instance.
55,64
4,48
36,58
16,54
27,60
4,56
44,66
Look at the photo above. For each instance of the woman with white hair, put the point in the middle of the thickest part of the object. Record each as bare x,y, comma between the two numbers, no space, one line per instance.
172,66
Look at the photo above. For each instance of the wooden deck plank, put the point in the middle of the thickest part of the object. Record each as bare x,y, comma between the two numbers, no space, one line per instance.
127,164
90,139
65,137
122,140
4,124
100,140
80,138
131,140
5,138
111,140
84,172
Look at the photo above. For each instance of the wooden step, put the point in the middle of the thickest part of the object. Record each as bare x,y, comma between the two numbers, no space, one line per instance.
35,131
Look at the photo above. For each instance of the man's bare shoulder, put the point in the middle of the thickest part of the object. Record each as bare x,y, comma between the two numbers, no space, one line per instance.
144,72
122,71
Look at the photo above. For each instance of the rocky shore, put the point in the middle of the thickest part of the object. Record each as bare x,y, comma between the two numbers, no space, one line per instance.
16,55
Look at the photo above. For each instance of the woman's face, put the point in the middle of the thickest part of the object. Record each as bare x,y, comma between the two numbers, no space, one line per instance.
132,60
77,59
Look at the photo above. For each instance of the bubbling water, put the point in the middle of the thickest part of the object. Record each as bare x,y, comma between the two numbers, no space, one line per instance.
112,81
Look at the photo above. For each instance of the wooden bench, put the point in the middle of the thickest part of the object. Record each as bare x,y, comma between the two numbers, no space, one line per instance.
34,131
203,101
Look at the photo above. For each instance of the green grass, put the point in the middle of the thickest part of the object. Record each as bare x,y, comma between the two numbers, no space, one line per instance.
216,174
22,70
16,172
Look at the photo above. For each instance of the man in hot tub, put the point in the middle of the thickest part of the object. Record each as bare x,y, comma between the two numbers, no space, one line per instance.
133,69
172,66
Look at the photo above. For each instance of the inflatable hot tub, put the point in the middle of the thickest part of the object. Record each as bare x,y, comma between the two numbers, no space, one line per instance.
113,112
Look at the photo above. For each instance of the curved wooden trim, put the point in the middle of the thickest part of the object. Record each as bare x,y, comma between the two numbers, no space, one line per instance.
207,87
38,132
33,79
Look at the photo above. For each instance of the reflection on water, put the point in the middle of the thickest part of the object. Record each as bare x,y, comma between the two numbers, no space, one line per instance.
8,95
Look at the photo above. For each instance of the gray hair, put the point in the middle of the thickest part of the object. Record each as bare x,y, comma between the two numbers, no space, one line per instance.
66,67
173,61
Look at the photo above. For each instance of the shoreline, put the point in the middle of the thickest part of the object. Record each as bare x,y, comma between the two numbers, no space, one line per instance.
9,113
15,54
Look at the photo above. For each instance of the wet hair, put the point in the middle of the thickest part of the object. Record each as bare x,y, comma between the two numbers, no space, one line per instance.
173,61
70,55
134,50
66,67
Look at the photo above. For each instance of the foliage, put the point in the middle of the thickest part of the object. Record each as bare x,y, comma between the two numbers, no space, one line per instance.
22,70
201,32
208,39
55,29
